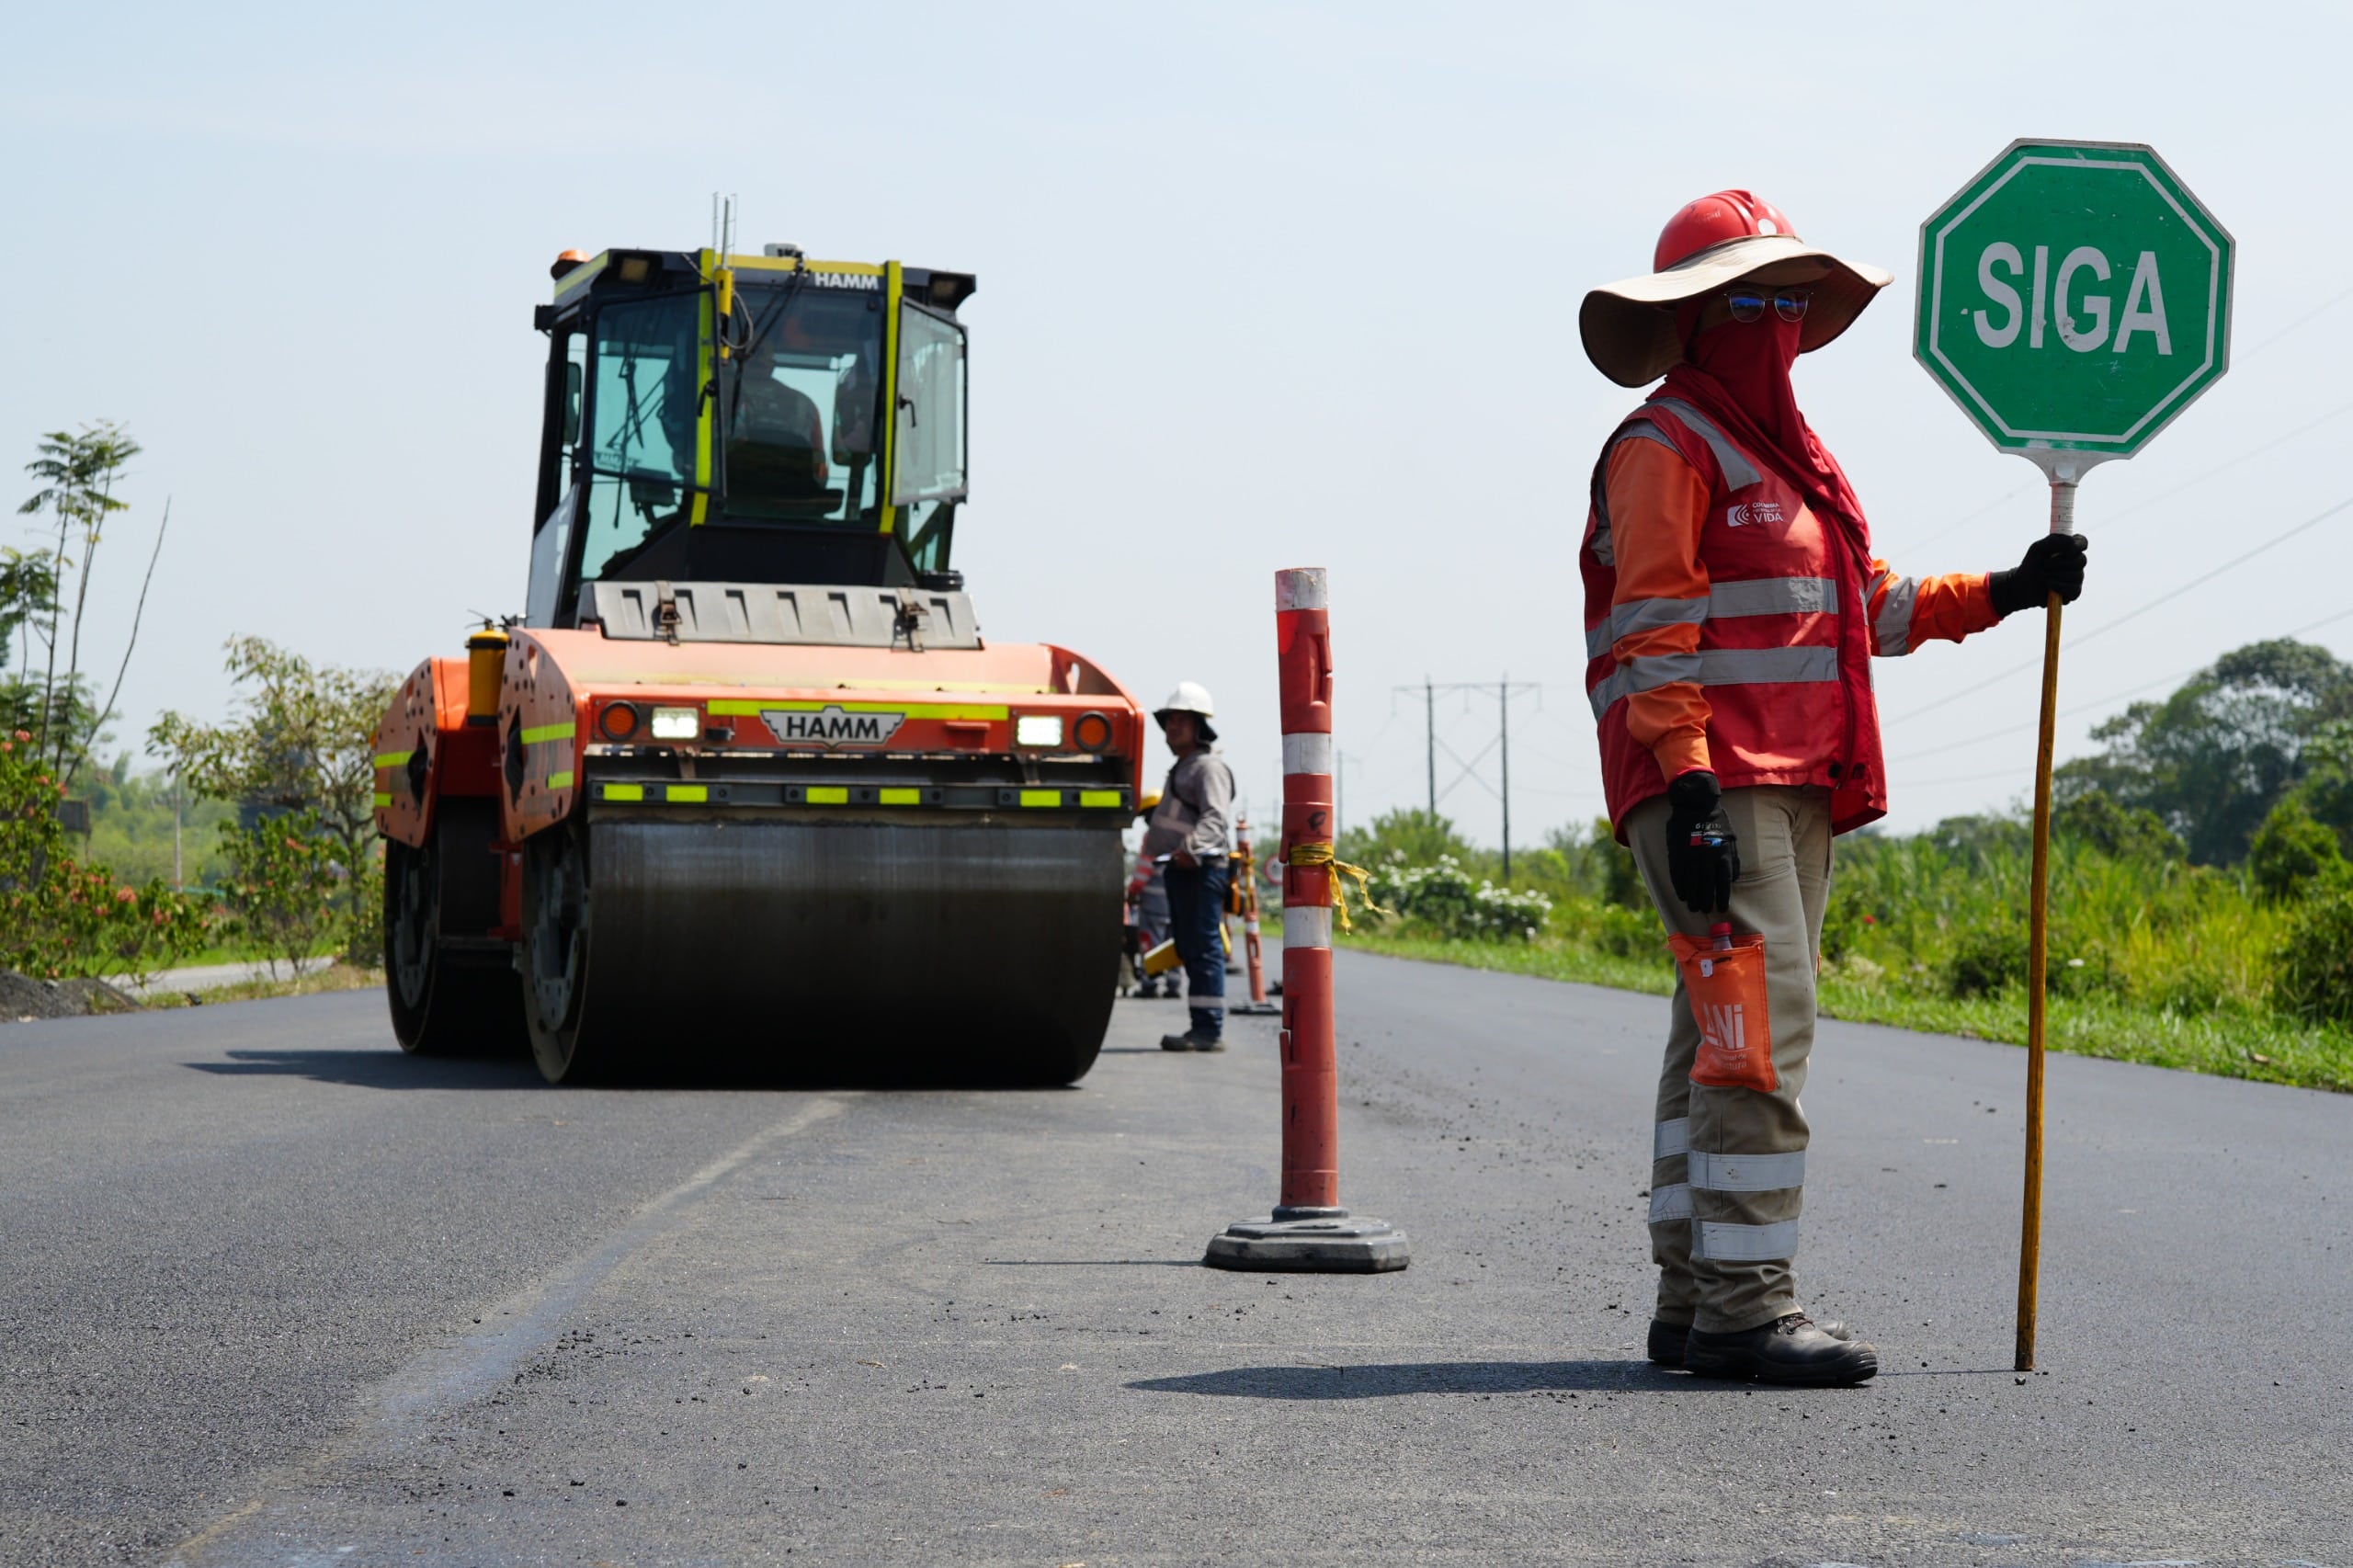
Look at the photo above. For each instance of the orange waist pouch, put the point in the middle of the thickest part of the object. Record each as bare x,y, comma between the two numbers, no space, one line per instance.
1727,991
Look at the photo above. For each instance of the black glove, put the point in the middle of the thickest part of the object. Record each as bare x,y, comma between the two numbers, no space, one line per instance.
2053,564
1702,856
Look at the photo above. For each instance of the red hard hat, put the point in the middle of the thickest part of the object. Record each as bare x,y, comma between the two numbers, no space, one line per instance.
1712,220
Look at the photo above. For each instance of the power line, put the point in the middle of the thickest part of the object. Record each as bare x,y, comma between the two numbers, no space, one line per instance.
2328,304
1504,690
2103,702
2166,597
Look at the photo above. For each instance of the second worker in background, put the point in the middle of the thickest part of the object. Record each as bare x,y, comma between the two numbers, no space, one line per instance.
1190,826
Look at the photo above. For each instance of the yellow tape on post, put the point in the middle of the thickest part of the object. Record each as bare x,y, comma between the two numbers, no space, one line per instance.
1322,855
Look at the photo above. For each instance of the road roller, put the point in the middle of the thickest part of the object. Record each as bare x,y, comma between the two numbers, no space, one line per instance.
744,784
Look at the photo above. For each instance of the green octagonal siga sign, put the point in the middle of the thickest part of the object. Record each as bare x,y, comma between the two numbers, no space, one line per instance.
2075,297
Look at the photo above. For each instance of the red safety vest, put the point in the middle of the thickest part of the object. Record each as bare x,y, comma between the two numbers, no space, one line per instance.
1784,648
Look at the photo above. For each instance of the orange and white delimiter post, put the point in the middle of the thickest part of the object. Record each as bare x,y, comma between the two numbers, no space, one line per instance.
1311,1075
1308,1230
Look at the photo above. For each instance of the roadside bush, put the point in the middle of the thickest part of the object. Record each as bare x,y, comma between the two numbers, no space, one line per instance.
1610,928
1444,900
61,919
282,880
362,942
1985,960
2313,977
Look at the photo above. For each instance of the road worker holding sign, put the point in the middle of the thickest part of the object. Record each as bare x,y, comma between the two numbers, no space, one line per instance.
1732,607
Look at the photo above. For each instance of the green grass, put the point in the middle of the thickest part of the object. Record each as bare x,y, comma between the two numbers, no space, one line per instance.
333,977
2228,1040
233,952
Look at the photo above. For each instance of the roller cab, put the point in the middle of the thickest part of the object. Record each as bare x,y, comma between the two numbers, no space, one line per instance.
744,783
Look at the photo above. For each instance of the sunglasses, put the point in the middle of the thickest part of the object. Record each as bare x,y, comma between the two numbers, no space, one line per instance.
1750,304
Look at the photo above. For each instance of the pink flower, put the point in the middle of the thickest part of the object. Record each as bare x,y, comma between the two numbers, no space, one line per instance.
1871,919
124,896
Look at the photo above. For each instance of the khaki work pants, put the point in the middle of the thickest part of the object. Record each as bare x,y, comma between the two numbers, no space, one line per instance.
1728,1165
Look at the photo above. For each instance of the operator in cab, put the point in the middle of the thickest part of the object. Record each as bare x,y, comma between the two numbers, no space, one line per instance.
1732,607
1191,826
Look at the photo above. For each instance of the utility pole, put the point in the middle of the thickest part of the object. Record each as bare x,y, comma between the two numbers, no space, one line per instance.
179,883
1429,729
1504,690
1503,718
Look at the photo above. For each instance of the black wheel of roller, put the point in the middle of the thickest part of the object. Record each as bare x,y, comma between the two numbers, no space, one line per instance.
446,1002
556,957
1054,1063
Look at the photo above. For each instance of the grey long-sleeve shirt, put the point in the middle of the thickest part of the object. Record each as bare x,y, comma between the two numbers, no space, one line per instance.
1196,810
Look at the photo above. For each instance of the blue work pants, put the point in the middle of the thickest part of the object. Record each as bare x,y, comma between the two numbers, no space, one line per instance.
1196,913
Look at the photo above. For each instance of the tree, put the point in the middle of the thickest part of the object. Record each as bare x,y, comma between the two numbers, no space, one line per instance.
1408,834
78,471
2290,852
300,742
2212,759
28,592
2121,834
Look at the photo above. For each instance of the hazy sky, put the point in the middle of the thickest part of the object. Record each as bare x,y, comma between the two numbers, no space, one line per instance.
1260,286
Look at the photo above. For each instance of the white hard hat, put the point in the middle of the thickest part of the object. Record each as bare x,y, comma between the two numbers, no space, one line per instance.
1190,696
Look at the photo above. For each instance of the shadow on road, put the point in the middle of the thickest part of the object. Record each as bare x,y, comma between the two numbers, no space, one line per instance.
1388,1381
391,1069
378,1068
1093,1262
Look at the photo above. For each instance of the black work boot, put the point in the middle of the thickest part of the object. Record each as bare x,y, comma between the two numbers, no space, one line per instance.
1666,1342
1667,1339
1191,1040
1792,1349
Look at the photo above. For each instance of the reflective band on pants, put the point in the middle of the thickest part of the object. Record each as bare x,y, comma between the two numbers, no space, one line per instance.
1747,1173
1670,1138
1672,1201
1720,1242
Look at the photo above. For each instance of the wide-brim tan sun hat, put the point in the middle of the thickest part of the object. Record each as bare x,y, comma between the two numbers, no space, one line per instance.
1730,237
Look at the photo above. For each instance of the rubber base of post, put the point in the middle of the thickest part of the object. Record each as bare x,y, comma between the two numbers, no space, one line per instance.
1337,1243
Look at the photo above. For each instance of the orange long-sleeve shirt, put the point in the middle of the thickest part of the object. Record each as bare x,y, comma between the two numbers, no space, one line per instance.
1658,505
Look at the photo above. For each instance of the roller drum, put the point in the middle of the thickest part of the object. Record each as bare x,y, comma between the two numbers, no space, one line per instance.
857,948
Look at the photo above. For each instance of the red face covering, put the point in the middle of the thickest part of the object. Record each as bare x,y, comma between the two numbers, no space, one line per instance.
1738,372
1752,360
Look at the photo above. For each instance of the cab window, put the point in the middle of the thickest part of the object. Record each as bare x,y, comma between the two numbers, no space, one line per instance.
641,416
798,394
928,438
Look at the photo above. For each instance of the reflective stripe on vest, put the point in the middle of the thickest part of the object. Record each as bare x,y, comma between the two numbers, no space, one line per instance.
1739,473
1757,596
1892,628
1717,666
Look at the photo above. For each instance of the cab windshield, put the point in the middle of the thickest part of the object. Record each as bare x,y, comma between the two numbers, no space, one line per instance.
800,401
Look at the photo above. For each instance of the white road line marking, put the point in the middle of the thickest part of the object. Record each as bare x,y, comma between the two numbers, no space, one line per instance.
480,1362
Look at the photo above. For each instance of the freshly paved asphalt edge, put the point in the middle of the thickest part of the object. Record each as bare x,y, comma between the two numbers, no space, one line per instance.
247,1246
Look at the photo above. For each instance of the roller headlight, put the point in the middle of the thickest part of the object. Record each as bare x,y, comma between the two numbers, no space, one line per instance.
677,723
1038,730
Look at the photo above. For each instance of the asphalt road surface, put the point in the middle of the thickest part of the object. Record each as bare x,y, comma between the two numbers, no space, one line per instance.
272,1293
